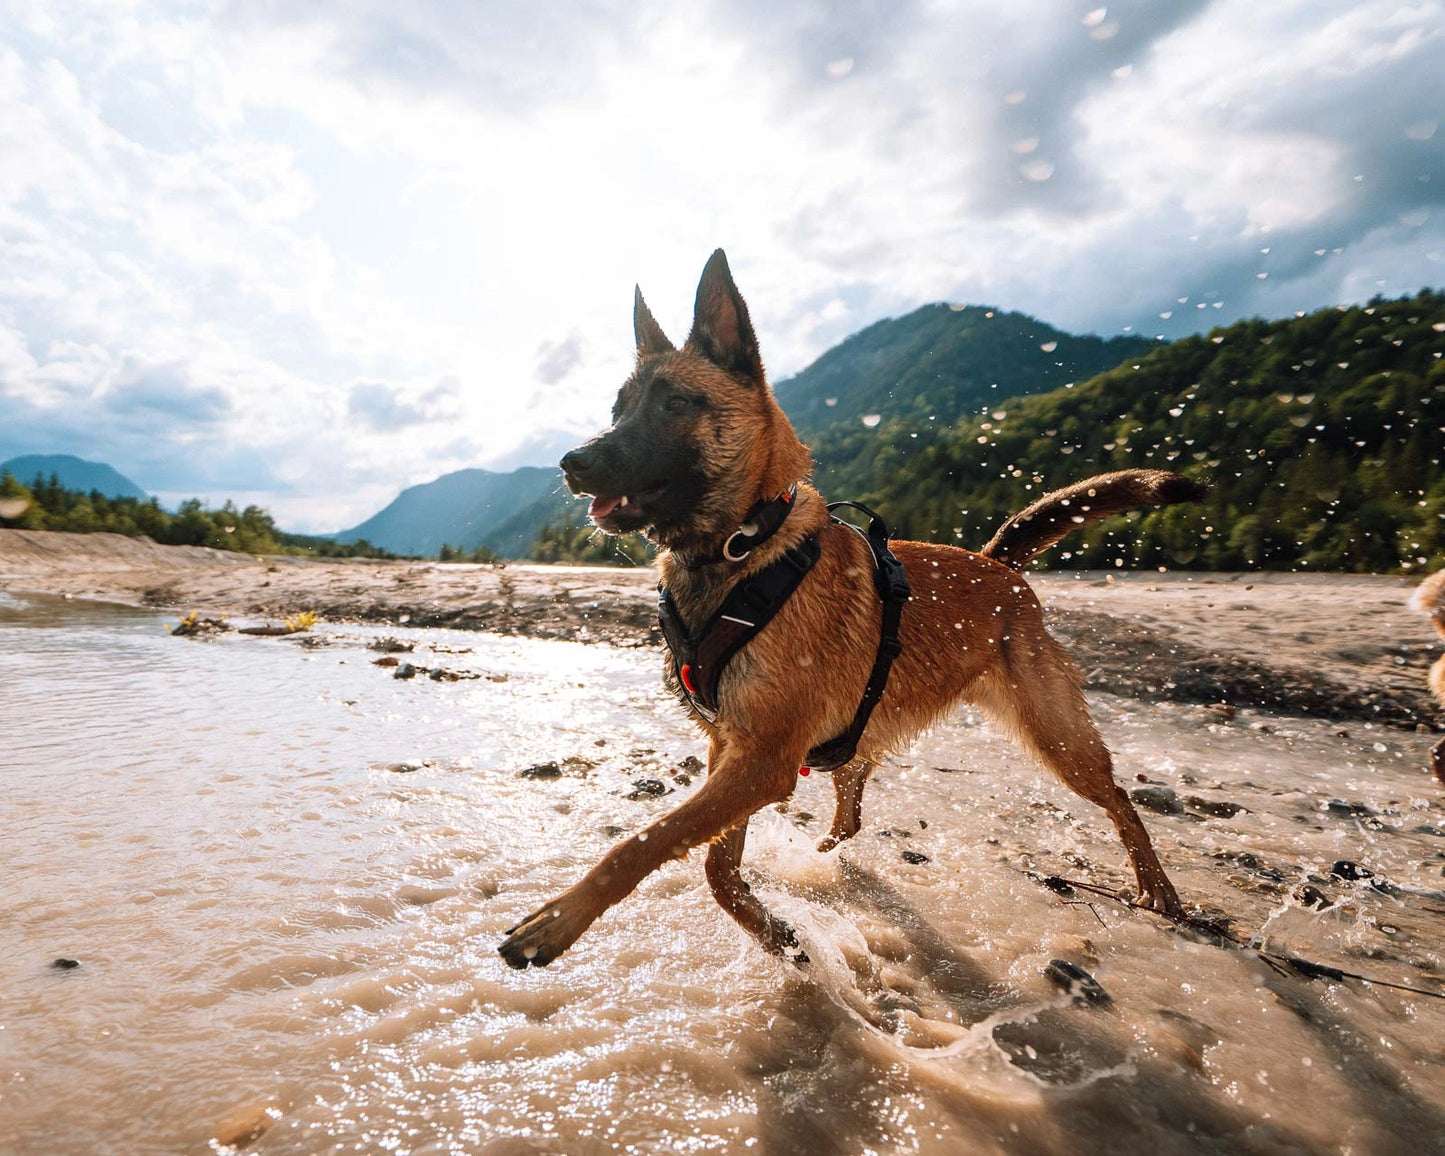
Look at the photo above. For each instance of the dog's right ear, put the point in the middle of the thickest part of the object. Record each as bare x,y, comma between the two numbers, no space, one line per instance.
721,329
651,339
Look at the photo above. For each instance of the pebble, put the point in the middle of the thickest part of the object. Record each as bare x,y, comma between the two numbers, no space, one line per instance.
1311,896
1072,978
649,789
915,857
1218,808
63,964
1349,869
1161,800
540,771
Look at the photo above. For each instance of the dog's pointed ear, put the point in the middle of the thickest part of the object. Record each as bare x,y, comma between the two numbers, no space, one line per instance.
721,329
650,337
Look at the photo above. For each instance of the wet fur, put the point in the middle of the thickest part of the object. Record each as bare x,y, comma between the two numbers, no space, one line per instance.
972,632
1429,599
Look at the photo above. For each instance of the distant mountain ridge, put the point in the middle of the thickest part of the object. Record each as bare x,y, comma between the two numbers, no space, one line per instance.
940,362
466,509
944,362
74,474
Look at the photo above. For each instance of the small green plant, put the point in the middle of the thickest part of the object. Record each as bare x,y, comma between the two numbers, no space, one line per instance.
301,621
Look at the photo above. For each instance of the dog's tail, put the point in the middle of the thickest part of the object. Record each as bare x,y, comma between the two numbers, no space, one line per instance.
1054,516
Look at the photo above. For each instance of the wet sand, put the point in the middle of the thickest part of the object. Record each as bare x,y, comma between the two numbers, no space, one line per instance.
1329,646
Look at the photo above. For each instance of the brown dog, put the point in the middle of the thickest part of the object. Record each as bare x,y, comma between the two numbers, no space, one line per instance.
1429,599
697,441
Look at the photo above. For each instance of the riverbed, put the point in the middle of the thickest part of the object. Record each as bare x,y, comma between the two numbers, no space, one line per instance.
280,872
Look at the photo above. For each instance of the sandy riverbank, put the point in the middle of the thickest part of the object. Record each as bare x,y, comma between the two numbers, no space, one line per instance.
1328,646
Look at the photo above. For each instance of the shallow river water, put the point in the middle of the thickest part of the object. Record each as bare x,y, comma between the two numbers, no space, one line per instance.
283,873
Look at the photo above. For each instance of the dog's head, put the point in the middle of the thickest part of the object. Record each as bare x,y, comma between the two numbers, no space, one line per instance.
696,437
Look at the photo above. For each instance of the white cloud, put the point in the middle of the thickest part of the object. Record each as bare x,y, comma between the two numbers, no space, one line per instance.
281,205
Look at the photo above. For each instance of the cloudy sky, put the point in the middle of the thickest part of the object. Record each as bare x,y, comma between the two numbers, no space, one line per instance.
307,254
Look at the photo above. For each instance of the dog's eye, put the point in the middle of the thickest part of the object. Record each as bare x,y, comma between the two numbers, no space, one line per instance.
678,403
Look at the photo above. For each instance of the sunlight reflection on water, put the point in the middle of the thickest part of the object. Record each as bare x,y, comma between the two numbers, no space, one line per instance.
283,872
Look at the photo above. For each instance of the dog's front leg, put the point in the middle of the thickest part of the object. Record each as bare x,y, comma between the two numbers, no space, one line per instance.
735,788
724,858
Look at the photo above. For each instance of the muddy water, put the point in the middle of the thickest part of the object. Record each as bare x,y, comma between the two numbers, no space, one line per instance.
283,873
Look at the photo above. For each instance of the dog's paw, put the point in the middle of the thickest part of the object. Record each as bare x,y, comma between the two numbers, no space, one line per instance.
833,839
540,938
1162,900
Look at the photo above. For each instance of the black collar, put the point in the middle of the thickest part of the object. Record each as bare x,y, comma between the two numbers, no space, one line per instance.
760,524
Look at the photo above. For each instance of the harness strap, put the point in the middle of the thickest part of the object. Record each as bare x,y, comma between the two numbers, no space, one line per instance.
892,583
698,659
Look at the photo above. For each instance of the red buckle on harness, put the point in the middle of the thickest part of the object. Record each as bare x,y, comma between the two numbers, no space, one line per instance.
805,771
686,675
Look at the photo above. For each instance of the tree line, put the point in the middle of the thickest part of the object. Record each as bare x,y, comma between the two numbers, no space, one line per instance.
47,505
1319,437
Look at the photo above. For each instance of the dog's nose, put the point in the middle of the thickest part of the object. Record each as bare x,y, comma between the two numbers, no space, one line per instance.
577,461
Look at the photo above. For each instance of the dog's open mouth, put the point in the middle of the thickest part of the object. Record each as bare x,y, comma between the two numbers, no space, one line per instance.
622,512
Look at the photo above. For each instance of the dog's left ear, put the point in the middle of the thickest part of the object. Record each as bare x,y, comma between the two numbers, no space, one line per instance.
721,329
650,337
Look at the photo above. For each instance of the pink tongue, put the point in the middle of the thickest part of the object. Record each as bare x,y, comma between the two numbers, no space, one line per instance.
601,506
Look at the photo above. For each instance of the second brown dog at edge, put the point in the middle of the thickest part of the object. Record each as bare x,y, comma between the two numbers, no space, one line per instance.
697,441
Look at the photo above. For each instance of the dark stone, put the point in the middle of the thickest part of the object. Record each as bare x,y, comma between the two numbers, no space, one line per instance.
690,765
1349,869
1072,978
1311,896
391,646
1218,808
1161,800
63,964
1346,809
649,789
914,857
406,670
540,771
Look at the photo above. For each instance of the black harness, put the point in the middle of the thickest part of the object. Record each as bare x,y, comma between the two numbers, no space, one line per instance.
699,658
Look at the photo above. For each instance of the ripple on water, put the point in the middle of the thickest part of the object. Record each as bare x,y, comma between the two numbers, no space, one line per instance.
284,873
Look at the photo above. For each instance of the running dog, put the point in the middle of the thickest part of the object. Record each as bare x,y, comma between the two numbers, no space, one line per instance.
701,458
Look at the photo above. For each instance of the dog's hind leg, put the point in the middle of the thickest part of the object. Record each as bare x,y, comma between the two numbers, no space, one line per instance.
1437,761
848,783
1041,703
724,859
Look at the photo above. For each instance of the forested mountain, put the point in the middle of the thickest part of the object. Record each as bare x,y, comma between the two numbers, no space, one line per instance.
944,361
1320,438
464,509
73,473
